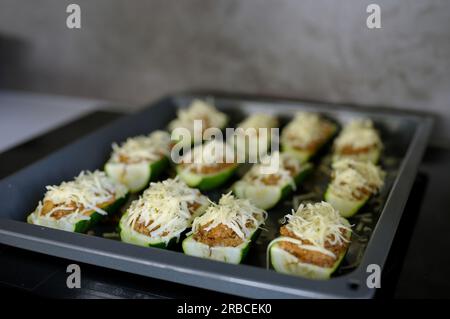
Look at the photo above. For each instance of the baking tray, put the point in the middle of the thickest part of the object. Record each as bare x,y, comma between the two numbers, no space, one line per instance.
405,136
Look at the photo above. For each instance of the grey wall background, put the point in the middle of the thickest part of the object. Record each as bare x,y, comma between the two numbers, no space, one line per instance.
136,51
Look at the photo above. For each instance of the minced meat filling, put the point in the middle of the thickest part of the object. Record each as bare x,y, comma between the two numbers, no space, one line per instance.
60,213
309,256
124,159
351,150
221,235
274,179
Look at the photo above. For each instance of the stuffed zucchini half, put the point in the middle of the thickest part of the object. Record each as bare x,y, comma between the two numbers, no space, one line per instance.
225,231
266,185
353,183
207,166
139,160
161,215
252,137
306,134
199,110
313,242
358,140
77,205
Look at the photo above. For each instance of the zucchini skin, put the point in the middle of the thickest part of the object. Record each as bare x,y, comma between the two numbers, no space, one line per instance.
347,208
155,169
232,255
206,182
283,190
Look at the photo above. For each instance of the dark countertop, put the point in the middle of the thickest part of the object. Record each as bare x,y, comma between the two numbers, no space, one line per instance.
416,268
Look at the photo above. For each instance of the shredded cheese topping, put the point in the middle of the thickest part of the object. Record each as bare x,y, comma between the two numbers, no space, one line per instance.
199,110
211,154
318,224
142,148
358,134
355,180
233,213
85,193
164,208
305,129
287,164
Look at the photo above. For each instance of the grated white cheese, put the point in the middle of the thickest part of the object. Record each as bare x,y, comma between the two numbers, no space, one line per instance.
164,208
87,192
142,148
233,213
256,175
199,110
358,134
212,153
318,224
305,129
354,180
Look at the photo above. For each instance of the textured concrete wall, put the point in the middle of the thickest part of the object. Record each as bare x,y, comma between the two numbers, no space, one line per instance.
319,49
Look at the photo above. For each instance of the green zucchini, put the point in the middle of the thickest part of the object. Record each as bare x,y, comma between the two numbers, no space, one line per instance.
286,263
231,213
206,181
312,226
131,236
267,196
82,225
136,176
301,119
231,255
346,207
349,179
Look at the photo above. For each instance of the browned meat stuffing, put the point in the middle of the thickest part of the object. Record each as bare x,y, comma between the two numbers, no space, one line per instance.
273,179
309,256
221,235
140,227
58,214
193,206
128,160
350,150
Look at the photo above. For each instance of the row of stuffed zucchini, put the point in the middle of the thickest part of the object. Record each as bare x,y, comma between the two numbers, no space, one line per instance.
315,236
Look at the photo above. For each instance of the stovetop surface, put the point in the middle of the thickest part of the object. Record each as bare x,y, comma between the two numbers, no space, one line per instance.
416,268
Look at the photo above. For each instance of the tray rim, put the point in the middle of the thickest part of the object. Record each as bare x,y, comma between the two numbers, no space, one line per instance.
203,273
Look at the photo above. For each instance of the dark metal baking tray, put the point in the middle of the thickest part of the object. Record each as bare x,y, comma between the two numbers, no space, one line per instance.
405,136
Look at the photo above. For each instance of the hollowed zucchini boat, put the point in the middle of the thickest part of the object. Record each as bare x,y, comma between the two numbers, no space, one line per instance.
139,160
77,205
359,140
353,183
207,166
225,231
312,244
197,118
306,134
266,184
162,214
253,136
